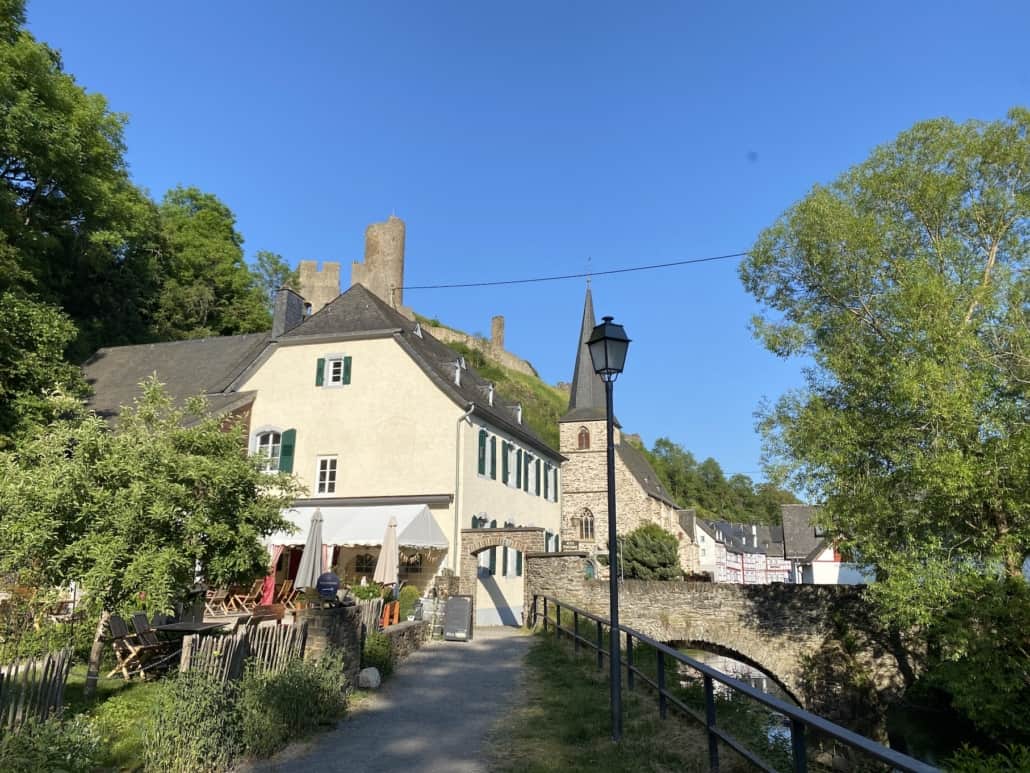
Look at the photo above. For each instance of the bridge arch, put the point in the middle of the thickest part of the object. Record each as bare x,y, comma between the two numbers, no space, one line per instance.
730,652
499,599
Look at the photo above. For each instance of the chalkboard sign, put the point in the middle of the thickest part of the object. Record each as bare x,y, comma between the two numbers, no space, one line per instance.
457,619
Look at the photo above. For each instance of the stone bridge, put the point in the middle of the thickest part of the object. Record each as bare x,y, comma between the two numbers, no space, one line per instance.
819,642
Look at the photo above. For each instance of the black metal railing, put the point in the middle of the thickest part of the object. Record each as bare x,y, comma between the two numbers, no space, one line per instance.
802,722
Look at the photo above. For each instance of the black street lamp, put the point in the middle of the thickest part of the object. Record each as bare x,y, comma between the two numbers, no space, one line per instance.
608,345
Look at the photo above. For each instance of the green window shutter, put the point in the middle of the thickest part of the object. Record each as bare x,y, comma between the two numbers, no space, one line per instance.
525,472
518,564
493,560
554,495
504,463
504,562
320,372
482,452
346,370
518,468
493,457
547,481
286,450
537,478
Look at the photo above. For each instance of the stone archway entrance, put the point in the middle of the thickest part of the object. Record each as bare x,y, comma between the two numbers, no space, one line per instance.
499,593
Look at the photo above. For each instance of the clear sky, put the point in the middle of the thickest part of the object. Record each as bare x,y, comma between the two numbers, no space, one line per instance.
524,139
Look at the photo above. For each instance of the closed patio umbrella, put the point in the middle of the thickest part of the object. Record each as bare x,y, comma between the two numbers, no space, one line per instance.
386,566
311,560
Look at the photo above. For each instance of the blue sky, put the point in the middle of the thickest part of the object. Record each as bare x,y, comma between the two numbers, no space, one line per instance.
525,139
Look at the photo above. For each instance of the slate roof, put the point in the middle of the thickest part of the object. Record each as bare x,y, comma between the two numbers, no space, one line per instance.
200,366
358,310
644,473
800,541
587,400
750,538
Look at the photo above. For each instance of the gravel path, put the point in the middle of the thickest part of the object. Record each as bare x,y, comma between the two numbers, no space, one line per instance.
432,715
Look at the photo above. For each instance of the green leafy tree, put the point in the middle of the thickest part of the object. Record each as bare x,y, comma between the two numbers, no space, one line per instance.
132,514
705,488
73,227
33,337
272,272
651,553
904,283
208,289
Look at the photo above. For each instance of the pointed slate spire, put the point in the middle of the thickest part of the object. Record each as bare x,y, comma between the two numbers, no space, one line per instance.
587,400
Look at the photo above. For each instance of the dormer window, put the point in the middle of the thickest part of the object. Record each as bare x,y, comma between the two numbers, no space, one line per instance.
417,329
490,395
518,413
584,439
457,372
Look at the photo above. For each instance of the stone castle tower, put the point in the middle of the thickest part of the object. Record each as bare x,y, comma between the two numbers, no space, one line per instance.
383,269
583,438
318,286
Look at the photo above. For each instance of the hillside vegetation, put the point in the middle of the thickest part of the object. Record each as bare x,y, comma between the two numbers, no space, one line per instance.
542,404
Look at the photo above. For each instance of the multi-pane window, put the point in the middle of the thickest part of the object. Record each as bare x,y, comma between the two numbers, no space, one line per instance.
586,525
364,563
269,448
335,366
326,474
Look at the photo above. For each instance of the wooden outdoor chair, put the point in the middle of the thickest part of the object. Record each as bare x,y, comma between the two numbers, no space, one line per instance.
247,602
133,656
287,593
219,602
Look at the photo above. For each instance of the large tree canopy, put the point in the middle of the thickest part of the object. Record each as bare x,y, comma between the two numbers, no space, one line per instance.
209,289
905,283
73,227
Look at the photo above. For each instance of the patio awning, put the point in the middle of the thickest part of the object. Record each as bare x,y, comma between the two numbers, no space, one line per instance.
365,526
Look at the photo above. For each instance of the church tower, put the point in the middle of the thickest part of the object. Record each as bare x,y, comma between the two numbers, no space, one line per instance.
583,441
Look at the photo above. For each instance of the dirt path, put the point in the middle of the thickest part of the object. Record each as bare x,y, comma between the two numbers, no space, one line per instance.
432,715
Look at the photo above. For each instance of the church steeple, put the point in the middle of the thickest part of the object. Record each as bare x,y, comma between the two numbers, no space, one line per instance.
587,400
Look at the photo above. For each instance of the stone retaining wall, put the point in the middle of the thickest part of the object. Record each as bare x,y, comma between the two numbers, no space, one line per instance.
406,637
337,627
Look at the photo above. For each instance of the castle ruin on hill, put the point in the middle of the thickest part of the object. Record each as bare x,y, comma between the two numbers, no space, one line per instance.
382,272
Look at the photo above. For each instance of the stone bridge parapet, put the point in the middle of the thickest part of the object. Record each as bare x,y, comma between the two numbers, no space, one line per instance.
819,642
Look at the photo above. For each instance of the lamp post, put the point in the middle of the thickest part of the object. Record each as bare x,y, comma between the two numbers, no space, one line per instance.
608,345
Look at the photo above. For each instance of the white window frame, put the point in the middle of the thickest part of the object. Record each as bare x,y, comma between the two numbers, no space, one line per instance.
327,486
330,361
255,446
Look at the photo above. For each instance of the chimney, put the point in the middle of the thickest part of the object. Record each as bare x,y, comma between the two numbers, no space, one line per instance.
288,311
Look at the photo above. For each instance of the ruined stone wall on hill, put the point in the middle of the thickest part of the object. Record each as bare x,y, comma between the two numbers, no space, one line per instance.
489,348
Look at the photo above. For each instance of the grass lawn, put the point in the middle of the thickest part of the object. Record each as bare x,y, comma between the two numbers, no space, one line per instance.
562,721
117,709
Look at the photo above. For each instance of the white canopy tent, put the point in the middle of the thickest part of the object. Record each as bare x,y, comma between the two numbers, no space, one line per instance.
365,526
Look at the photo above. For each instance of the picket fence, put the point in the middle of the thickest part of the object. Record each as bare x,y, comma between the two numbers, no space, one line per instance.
269,645
32,688
371,613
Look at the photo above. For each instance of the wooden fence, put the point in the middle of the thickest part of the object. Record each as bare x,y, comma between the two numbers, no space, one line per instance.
269,645
371,613
32,688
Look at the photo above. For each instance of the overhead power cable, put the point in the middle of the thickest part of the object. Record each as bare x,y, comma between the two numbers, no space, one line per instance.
585,274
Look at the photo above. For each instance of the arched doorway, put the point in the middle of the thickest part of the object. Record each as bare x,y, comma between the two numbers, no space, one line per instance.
493,571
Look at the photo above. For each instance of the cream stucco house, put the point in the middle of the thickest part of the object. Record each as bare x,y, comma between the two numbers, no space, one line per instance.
375,417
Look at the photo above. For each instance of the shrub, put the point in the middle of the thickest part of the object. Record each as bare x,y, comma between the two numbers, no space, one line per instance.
367,592
71,746
193,726
968,760
651,553
276,708
408,597
377,654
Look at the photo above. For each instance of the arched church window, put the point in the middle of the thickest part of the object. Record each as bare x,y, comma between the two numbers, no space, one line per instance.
586,525
584,438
